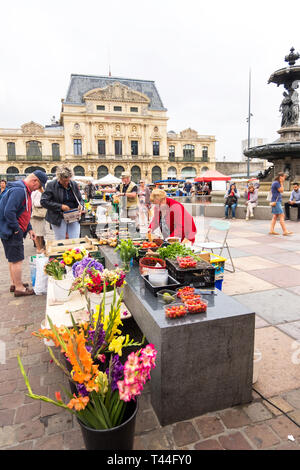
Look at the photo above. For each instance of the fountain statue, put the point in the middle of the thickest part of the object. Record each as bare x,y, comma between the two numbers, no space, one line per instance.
284,153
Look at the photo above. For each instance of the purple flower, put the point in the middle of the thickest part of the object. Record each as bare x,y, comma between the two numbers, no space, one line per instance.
82,390
80,266
116,372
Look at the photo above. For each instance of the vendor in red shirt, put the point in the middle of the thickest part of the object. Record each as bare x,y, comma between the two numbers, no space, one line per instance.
171,217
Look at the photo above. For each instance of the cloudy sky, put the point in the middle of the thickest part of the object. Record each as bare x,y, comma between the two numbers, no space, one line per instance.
198,53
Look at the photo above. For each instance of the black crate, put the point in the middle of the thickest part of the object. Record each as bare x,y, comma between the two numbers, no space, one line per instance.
172,284
203,275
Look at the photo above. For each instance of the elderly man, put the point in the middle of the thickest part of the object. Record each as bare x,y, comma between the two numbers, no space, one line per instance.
294,201
15,214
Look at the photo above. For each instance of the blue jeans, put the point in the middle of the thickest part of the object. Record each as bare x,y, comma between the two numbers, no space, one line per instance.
232,210
73,230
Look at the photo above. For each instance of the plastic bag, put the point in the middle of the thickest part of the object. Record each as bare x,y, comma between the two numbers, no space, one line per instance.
41,279
269,196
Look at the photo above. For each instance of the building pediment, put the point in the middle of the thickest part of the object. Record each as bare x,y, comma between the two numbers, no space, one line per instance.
32,128
189,134
116,92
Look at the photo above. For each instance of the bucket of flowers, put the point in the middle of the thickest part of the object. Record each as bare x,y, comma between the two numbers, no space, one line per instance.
72,256
60,282
105,401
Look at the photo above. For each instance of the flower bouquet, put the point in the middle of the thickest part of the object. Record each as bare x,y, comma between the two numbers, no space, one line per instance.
73,255
55,269
106,389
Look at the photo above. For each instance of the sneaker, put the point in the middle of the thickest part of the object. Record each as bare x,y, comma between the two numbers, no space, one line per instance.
251,215
247,218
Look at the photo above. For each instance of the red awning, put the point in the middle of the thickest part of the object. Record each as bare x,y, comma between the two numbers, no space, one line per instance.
212,175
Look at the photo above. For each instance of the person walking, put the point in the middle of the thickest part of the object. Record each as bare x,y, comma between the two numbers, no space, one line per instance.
144,202
60,196
38,221
15,214
90,191
277,211
293,202
251,197
231,200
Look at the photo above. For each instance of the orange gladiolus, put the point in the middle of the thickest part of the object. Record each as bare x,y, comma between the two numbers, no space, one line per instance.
78,403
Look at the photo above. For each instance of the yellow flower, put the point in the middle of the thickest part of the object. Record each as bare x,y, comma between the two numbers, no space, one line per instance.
68,260
102,381
116,345
78,256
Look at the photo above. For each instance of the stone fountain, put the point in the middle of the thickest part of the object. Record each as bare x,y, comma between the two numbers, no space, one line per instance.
284,152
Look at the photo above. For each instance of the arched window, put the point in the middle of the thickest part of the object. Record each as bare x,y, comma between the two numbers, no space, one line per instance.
204,169
205,154
102,171
188,153
33,148
136,174
188,172
156,173
118,171
31,169
172,172
11,172
79,171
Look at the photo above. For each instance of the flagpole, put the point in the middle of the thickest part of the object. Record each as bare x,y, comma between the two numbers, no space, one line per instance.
249,117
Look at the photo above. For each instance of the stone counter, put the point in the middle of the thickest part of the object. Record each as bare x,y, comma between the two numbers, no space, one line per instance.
204,361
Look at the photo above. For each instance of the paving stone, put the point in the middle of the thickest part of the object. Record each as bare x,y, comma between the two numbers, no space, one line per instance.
138,443
260,323
209,444
154,440
295,289
242,283
293,330
250,263
295,415
27,412
288,445
282,276
58,423
261,436
257,412
209,425
31,430
7,435
50,443
8,387
48,409
145,421
73,440
235,441
284,427
234,418
293,397
28,445
280,403
11,401
7,417
184,433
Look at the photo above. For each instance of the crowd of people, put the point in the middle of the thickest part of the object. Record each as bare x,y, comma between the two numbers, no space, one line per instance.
26,205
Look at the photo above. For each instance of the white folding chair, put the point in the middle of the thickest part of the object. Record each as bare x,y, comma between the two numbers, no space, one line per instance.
210,244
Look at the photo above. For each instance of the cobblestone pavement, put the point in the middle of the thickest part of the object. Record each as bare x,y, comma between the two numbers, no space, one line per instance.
267,278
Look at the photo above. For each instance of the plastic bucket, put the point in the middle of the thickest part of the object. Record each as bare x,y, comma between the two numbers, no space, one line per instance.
61,289
256,365
218,284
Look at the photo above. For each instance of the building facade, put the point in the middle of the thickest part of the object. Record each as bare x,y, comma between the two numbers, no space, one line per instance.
108,125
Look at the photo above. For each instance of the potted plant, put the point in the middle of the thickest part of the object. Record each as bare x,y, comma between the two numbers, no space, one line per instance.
60,283
127,251
106,400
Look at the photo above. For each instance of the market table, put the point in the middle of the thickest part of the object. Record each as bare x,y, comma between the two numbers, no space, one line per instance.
204,361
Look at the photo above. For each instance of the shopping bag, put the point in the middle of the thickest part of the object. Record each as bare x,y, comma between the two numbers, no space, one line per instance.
41,278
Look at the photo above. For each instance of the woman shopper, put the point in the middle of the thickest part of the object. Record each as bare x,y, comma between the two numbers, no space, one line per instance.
251,197
171,217
38,221
231,200
277,211
61,196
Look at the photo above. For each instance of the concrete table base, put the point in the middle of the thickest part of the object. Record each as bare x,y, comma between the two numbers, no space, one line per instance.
204,361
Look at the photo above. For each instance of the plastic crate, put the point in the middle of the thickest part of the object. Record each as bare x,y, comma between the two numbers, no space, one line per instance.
172,284
219,264
203,275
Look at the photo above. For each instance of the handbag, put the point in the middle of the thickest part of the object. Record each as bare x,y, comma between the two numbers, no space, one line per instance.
39,212
273,204
73,215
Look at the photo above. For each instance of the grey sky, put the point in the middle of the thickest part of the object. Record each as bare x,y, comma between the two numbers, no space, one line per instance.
198,53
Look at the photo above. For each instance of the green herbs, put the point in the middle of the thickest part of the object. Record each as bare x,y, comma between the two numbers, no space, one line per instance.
127,250
174,250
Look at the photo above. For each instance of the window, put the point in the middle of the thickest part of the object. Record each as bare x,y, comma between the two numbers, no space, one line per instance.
119,170
33,148
172,153
118,147
156,173
11,149
136,174
155,147
55,151
102,171
79,171
101,147
77,147
133,109
117,108
100,107
134,147
205,154
188,153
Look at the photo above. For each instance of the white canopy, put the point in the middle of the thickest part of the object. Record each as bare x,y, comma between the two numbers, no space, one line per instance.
109,179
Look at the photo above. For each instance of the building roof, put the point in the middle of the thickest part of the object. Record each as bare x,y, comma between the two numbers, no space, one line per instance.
81,84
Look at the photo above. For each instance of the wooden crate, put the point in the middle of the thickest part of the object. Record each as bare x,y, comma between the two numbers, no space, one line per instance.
57,247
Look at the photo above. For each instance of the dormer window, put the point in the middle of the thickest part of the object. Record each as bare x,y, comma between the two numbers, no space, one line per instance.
100,107
117,108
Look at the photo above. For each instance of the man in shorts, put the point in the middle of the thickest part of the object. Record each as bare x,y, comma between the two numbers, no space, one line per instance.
15,214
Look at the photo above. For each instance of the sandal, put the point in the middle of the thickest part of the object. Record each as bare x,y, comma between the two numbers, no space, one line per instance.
13,288
273,233
21,293
287,233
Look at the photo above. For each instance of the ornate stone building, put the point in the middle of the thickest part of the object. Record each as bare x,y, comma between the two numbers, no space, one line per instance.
108,125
